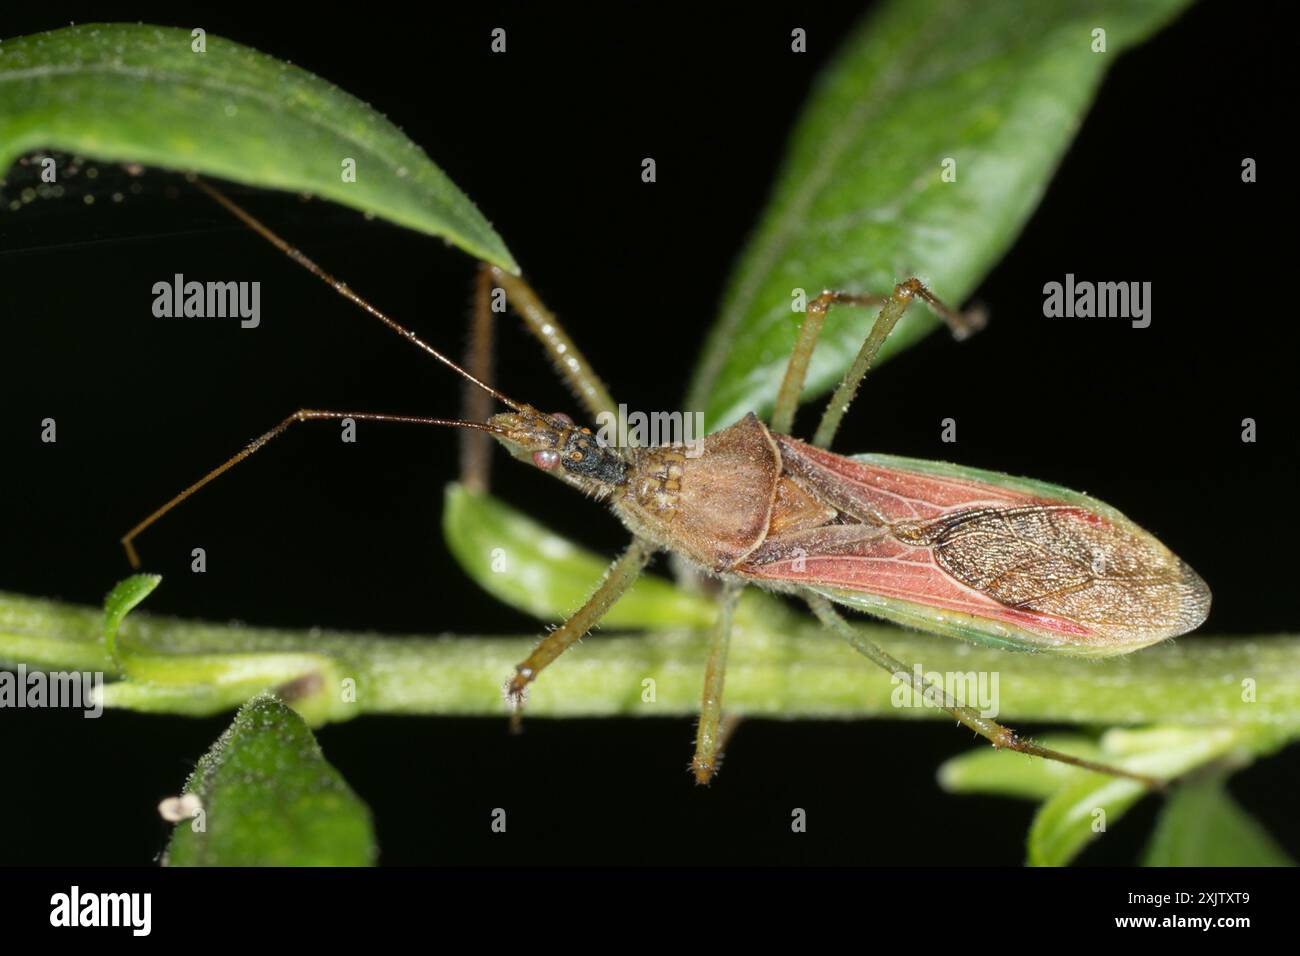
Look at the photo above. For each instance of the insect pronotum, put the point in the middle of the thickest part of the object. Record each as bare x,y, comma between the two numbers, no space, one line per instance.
957,551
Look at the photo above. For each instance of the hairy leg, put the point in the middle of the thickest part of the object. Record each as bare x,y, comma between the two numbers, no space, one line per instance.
709,737
787,401
1001,737
620,576
476,404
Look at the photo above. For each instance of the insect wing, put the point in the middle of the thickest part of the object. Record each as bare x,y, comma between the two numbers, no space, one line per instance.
984,556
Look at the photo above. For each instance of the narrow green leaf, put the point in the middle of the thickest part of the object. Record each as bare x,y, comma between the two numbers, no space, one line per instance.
1078,813
198,684
189,682
998,86
523,564
269,798
1203,826
1090,803
135,93
125,595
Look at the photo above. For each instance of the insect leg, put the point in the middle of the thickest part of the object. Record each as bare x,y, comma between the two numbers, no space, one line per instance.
708,738
787,398
620,576
569,361
302,415
476,404
1001,737
962,325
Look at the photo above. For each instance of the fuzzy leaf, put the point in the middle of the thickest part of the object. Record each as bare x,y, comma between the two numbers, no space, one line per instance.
135,93
270,799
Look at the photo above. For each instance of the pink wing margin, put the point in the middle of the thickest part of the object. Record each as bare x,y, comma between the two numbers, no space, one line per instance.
983,560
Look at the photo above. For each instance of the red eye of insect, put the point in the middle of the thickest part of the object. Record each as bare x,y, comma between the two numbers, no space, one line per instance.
562,417
546,460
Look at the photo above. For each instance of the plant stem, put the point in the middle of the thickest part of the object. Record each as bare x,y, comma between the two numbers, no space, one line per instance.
792,670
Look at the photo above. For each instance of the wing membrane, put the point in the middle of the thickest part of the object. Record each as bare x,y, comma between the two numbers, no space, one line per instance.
982,556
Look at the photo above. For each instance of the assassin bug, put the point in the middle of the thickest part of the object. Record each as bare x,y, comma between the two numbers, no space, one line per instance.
957,551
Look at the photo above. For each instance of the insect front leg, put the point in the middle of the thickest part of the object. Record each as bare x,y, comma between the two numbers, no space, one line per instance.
577,373
476,404
711,736
620,576
1003,738
568,359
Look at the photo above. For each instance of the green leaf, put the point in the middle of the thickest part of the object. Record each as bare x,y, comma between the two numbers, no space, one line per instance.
1077,814
999,87
269,798
532,569
189,682
1090,803
125,595
1203,826
134,93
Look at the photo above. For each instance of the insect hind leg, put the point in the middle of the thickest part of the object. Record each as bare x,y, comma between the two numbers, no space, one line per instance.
1001,737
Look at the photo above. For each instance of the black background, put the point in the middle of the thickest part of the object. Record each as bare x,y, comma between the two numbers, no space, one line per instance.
548,140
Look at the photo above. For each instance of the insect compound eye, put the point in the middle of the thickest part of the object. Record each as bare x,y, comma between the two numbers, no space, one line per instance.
562,417
546,460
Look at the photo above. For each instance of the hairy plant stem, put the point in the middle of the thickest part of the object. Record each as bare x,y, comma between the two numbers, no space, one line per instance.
781,667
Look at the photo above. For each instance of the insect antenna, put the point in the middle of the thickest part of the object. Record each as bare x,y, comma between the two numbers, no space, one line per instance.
247,218
311,414
302,415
